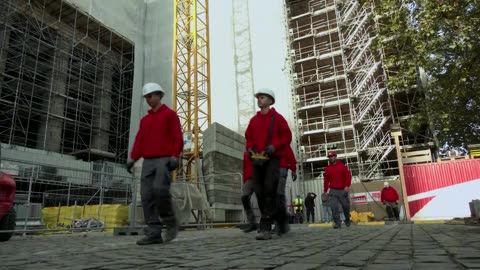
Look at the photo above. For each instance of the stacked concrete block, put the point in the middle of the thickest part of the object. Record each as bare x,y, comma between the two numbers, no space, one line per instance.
222,170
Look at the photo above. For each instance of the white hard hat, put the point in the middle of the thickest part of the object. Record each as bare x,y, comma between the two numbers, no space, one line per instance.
386,184
267,92
149,88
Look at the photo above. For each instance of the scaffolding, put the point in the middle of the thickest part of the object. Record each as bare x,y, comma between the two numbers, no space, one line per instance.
340,89
65,81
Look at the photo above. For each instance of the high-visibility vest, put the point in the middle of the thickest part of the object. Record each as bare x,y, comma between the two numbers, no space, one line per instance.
298,204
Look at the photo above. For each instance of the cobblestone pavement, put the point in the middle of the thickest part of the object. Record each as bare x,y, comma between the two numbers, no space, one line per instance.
388,247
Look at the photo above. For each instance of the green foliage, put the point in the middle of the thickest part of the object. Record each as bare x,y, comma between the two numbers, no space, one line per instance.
442,37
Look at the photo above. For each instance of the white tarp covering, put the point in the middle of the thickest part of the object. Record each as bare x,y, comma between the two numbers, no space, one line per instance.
120,15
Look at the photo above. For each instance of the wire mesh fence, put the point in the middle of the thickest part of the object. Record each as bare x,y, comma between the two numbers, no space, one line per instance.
52,198
63,199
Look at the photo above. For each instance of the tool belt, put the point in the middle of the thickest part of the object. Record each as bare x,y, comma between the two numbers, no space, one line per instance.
259,159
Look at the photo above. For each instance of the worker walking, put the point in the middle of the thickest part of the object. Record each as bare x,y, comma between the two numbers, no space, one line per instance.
160,142
267,136
337,179
287,162
298,208
326,210
310,206
247,191
389,198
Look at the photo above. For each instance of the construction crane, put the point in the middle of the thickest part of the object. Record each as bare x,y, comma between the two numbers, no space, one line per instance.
191,82
243,63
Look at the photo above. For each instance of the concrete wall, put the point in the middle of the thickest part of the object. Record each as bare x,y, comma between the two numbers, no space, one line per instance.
153,57
222,168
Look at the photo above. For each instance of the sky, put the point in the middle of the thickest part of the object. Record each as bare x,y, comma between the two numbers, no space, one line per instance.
269,52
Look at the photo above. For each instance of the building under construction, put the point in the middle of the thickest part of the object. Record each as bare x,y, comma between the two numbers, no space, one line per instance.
340,91
65,81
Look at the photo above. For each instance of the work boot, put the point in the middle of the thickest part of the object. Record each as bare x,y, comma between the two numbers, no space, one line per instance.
250,228
149,240
282,227
172,228
252,225
348,223
337,226
264,233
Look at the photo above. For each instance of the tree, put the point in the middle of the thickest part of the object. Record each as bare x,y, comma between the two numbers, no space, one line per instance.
442,38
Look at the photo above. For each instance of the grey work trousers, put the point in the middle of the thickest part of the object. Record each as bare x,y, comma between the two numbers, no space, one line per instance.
155,192
265,185
281,197
247,188
392,210
339,197
282,182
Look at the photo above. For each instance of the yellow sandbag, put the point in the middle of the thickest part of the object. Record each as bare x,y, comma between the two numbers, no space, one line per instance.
361,217
55,217
111,215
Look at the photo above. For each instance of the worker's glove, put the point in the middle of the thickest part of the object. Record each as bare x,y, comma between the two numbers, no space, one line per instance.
294,176
270,150
251,151
172,164
130,165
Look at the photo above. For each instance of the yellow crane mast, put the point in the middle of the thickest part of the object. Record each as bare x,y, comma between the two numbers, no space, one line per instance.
191,82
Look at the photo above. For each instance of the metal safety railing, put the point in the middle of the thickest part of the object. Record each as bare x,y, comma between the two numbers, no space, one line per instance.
64,199
46,192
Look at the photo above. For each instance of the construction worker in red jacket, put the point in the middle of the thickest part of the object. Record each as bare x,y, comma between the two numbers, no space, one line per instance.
389,198
247,191
159,142
337,179
267,138
288,162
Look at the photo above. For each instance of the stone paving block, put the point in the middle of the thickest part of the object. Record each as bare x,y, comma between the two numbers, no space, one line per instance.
431,259
175,268
470,263
397,256
338,268
318,258
350,262
361,255
258,266
303,253
299,266
390,261
468,255
207,262
459,250
430,252
396,266
435,266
